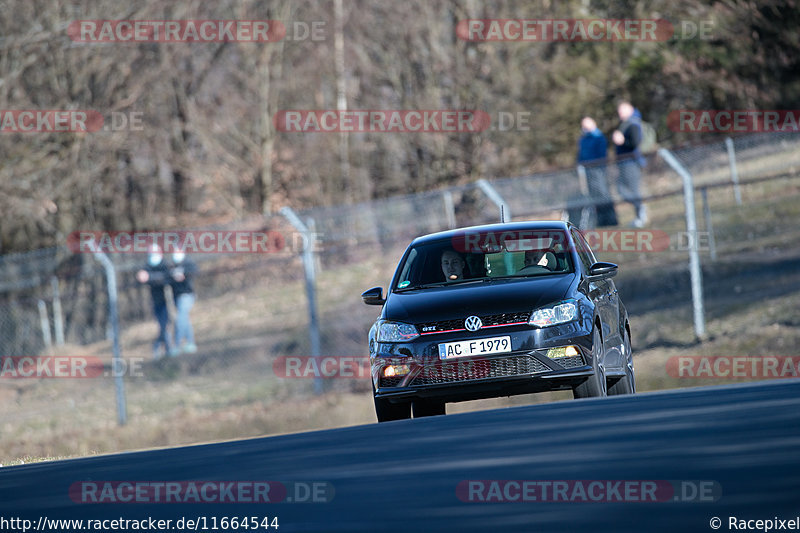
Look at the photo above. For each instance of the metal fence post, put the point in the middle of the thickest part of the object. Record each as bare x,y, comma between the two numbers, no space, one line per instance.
505,214
494,196
737,193
312,228
709,226
691,227
45,323
310,275
583,180
58,317
111,283
449,208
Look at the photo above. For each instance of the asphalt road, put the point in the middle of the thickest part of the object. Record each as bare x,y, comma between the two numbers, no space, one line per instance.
734,450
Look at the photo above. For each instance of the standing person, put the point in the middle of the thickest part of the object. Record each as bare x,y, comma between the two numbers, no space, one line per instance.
630,161
182,272
156,274
593,156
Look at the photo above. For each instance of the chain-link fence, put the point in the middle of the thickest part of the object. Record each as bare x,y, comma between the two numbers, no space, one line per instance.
252,308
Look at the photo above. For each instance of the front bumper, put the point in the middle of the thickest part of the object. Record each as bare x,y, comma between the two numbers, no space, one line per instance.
489,388
525,370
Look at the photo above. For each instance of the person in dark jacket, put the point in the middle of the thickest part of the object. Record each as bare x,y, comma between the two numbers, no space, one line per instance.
630,161
157,275
593,156
182,272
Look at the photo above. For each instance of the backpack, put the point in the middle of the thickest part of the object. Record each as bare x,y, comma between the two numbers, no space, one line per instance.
649,143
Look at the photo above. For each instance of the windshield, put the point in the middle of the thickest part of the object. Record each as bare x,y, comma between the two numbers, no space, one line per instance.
483,257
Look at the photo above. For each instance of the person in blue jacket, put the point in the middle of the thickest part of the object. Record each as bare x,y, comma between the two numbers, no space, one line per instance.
593,156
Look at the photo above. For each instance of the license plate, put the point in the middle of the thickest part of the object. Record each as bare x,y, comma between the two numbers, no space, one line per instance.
453,350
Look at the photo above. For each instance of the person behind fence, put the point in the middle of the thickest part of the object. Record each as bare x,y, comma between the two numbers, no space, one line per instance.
157,275
182,271
627,138
593,156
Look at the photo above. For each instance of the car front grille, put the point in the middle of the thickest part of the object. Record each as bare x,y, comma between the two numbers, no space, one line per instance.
501,319
570,362
477,369
390,382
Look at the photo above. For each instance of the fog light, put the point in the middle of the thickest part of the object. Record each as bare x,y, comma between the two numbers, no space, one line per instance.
395,370
570,351
562,351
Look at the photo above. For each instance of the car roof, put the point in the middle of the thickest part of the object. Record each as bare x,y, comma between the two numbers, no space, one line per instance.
500,227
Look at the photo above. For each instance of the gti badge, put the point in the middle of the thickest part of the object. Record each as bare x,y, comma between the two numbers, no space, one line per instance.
473,323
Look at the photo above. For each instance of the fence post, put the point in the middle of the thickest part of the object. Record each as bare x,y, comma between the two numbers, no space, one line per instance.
58,317
712,246
312,227
494,196
737,193
45,323
691,227
505,215
111,284
583,180
310,275
449,208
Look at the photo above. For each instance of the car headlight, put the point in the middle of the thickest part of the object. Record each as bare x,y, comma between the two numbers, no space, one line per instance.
554,314
396,332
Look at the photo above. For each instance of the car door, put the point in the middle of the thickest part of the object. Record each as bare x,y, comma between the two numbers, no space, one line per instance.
604,295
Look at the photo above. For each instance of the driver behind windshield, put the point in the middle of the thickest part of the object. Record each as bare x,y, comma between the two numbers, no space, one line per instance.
452,265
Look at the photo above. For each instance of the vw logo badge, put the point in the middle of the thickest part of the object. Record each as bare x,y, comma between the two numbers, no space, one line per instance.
473,323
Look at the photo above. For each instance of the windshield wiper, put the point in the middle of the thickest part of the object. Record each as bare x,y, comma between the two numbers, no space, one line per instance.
440,284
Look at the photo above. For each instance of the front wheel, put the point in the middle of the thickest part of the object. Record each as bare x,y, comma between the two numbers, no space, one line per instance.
595,385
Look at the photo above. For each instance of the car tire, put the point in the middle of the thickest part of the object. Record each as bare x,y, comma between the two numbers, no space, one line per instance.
627,384
427,408
594,386
387,411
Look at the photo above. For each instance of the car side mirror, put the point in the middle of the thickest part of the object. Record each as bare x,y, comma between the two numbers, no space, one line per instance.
601,270
373,296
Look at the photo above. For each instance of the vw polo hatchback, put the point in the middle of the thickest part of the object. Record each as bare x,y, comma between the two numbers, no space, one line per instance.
497,310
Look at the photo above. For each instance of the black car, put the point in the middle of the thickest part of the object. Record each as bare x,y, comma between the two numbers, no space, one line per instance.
497,310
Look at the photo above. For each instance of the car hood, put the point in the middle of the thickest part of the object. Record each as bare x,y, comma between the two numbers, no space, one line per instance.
480,298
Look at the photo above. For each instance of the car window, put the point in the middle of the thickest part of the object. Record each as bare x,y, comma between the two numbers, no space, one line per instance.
584,251
492,256
413,255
